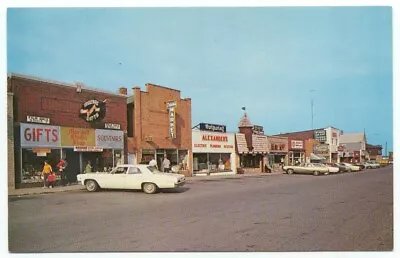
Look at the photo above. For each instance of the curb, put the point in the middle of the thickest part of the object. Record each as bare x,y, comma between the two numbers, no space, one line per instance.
35,191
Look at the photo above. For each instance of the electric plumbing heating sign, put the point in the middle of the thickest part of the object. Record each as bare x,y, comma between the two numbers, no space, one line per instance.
109,139
35,135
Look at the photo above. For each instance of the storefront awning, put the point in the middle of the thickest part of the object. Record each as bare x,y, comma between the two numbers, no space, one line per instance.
316,157
241,143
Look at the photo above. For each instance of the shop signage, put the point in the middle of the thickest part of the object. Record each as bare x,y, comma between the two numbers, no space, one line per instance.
260,143
71,136
321,149
171,107
93,110
212,127
341,148
112,126
35,135
320,135
148,152
213,142
295,144
38,119
258,129
41,150
148,138
356,153
88,149
218,138
109,139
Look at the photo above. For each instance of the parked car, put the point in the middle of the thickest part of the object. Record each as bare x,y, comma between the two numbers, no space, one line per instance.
351,167
361,165
307,168
332,168
128,176
370,164
342,167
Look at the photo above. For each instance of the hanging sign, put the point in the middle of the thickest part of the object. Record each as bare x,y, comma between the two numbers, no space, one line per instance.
88,149
212,127
93,110
171,107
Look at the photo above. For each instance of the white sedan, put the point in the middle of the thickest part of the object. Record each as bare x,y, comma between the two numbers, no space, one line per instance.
351,167
128,176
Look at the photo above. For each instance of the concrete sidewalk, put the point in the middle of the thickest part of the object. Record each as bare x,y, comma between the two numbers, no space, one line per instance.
79,187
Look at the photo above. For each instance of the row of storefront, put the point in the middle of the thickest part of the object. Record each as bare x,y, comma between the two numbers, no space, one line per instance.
53,120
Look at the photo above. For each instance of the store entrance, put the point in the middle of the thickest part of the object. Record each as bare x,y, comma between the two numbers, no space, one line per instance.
74,167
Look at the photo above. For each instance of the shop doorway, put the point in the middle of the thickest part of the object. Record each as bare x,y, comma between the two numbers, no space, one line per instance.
74,166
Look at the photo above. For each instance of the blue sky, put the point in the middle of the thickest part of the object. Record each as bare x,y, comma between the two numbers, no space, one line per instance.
266,59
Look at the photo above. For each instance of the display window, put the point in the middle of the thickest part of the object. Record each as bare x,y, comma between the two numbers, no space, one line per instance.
33,161
250,161
211,162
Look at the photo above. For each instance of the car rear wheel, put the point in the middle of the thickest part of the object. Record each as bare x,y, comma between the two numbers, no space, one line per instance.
316,173
149,188
91,185
290,171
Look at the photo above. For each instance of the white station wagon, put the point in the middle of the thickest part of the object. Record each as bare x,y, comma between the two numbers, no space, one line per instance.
127,176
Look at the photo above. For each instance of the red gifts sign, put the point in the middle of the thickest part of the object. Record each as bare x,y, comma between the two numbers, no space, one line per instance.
35,135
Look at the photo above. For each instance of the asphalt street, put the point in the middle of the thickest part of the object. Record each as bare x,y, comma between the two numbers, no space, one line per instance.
344,212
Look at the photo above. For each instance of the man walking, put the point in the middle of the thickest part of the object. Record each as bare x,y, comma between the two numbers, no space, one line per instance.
166,164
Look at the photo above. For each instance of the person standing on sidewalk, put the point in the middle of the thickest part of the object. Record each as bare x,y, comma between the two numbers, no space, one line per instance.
46,172
62,165
166,164
88,168
153,163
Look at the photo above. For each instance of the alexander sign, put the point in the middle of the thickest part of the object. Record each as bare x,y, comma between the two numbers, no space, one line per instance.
93,110
213,142
212,127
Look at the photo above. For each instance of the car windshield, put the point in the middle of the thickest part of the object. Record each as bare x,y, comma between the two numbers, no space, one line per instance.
153,169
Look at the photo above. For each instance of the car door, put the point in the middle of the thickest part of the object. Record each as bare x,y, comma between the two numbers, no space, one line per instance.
116,178
134,178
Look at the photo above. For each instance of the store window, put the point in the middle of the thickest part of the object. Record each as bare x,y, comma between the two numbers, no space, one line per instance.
250,161
33,161
211,162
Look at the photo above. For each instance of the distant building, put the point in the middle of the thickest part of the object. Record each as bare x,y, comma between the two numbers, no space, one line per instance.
353,147
319,144
374,152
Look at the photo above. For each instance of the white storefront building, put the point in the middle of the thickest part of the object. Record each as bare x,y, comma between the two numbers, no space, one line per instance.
213,153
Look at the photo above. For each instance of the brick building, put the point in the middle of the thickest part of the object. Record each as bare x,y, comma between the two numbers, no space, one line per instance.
159,123
10,142
54,120
374,152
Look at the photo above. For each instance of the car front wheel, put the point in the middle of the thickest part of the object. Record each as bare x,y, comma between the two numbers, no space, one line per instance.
91,185
290,171
149,188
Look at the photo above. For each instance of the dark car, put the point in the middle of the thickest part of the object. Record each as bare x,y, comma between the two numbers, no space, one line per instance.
342,167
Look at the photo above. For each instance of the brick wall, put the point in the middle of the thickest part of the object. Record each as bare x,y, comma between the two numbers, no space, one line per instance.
62,103
10,143
151,119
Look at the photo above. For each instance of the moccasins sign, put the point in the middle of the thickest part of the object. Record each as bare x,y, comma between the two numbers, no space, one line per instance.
93,110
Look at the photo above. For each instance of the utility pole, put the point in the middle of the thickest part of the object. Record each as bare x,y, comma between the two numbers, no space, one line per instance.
386,149
312,109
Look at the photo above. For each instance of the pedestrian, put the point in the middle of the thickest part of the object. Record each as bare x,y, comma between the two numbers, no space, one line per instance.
166,164
88,168
153,163
62,165
50,179
46,172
